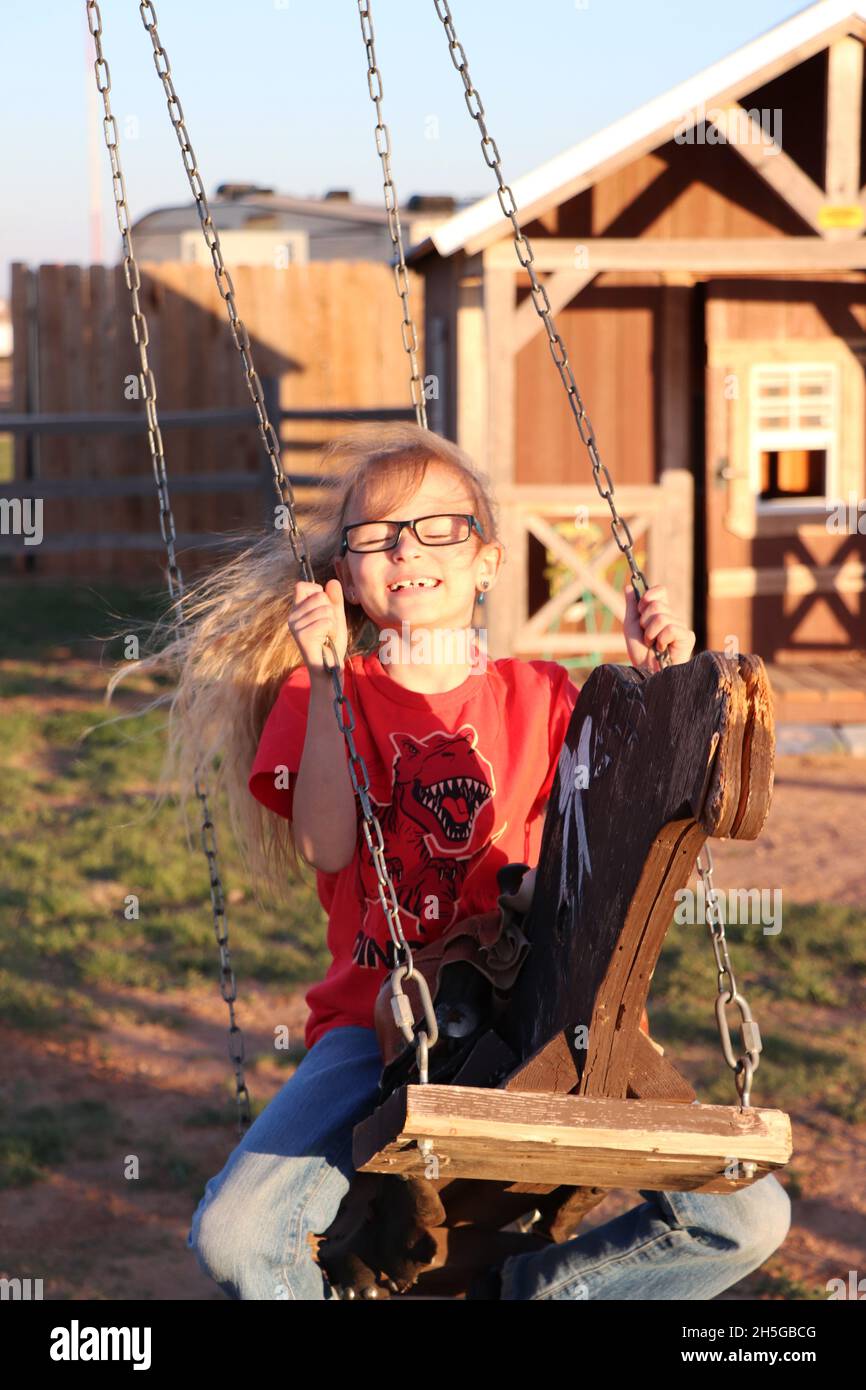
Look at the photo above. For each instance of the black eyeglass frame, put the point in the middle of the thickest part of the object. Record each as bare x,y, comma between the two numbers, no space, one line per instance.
464,516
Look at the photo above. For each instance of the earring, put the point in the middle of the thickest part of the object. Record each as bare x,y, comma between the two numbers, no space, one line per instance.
483,587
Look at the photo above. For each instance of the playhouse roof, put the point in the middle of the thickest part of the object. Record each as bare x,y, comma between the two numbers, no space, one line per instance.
651,125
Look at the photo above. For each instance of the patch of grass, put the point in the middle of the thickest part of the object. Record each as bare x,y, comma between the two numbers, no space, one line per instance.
818,958
283,1056
165,1168
72,871
71,616
35,1006
23,677
792,1183
210,1117
41,1137
765,1284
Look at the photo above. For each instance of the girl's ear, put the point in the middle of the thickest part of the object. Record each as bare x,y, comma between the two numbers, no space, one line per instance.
342,573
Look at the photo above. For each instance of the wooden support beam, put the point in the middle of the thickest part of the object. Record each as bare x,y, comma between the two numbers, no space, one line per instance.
700,255
844,100
574,1140
471,359
674,378
499,315
507,599
562,287
651,1076
669,551
771,163
748,581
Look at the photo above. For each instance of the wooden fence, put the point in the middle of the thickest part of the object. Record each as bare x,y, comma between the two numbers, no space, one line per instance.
326,335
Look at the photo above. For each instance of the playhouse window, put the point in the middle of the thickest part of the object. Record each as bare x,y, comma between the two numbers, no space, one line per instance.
794,426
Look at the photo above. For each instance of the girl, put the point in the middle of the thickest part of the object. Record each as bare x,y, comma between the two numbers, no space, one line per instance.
461,755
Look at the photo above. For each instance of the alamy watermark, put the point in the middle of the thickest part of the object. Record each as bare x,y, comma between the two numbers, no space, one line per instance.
438,646
84,1343
20,1290
855,1287
22,516
847,518
731,126
754,906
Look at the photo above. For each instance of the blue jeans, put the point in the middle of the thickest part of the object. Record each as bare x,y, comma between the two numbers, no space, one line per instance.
288,1175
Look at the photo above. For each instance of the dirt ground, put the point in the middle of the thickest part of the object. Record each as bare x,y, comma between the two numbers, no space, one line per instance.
92,1234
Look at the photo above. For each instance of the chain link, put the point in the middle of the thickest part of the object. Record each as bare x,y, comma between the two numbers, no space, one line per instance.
401,274
228,984
357,767
747,1064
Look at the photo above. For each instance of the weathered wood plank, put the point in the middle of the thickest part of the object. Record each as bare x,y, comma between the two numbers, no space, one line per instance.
778,169
561,288
702,255
844,103
580,1140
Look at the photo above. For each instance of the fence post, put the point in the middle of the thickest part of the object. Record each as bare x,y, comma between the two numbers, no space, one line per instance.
271,393
671,539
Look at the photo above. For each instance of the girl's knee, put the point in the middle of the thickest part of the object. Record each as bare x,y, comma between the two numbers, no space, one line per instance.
213,1238
747,1225
775,1210
762,1218
252,1236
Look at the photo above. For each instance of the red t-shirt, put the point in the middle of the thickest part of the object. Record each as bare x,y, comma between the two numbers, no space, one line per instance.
458,782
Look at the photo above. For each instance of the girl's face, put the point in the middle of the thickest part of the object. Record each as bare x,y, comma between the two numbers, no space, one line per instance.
457,570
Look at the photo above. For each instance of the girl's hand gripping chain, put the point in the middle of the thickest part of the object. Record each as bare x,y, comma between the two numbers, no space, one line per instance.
650,619
319,613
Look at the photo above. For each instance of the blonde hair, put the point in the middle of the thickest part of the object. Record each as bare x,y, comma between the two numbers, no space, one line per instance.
228,649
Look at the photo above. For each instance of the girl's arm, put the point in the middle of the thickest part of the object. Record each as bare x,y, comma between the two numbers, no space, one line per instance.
325,820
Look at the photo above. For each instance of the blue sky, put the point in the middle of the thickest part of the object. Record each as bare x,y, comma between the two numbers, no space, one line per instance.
274,91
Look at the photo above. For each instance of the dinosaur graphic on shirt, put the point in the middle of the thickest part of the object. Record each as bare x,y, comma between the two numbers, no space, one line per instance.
435,829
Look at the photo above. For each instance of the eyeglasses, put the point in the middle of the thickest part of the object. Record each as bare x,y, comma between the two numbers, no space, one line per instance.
366,536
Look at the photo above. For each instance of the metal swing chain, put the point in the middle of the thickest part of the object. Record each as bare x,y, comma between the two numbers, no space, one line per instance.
357,767
228,984
401,275
745,1066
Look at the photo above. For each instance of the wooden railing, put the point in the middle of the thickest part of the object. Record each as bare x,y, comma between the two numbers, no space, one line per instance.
580,623
97,489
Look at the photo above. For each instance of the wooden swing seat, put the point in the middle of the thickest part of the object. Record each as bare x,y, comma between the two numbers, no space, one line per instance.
530,1137
529,1129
